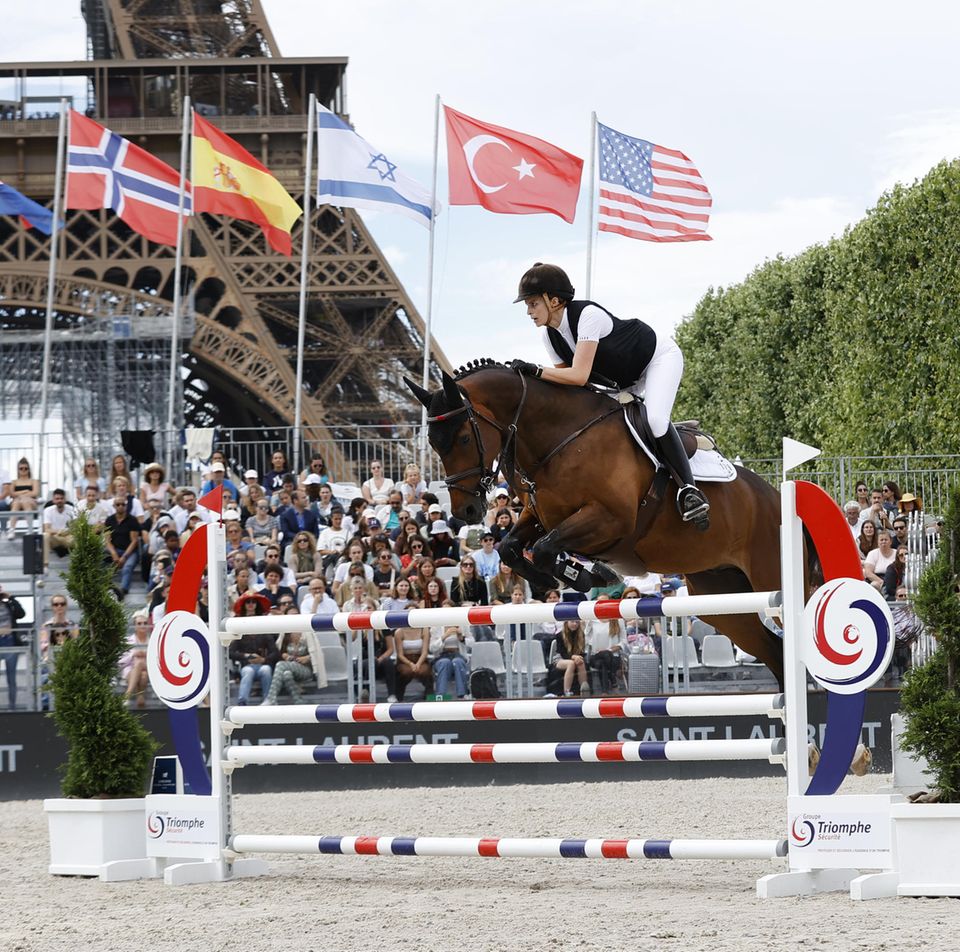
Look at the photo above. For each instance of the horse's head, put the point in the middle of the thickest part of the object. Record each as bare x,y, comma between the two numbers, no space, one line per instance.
455,433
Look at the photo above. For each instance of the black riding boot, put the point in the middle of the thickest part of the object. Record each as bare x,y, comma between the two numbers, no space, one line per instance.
691,502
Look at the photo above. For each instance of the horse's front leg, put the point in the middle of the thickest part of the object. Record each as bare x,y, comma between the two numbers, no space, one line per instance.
590,531
521,537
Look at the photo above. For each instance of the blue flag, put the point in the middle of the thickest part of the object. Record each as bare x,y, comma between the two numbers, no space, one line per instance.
32,214
351,173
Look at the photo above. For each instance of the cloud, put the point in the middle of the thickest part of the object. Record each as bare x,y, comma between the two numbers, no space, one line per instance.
920,143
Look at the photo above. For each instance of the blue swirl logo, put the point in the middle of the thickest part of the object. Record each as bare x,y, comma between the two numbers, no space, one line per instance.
802,833
178,660
155,826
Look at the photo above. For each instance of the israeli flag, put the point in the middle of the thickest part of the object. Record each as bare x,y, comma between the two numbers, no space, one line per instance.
351,173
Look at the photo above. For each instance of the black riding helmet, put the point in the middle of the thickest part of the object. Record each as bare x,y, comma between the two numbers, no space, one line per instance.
545,279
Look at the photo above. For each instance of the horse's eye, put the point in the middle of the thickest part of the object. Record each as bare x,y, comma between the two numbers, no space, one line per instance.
465,439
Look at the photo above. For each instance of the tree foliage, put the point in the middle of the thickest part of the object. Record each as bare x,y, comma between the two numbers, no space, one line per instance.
109,749
851,346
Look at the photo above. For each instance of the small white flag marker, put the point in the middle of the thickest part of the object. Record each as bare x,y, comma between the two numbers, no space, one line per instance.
796,453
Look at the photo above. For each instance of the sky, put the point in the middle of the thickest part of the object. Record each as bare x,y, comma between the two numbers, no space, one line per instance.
798,116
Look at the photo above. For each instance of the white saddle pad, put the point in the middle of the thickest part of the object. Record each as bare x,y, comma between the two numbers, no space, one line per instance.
708,466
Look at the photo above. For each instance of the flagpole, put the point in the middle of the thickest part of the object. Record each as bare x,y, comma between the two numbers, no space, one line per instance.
177,293
429,315
51,275
592,206
304,256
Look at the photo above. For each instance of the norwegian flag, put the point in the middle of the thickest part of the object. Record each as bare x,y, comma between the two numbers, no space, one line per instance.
104,170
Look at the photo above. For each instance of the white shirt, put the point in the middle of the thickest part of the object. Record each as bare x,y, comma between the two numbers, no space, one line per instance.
594,324
288,579
333,539
57,520
878,563
341,574
134,507
326,606
648,584
95,516
181,517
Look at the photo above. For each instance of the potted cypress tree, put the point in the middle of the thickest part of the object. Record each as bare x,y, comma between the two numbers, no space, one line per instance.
100,817
928,833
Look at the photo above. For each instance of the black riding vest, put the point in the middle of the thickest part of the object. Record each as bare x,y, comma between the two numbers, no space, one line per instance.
622,355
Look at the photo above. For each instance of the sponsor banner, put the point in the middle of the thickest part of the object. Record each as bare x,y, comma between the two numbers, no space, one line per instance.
183,826
848,831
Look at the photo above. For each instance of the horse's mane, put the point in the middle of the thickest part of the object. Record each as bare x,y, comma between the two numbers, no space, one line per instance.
473,366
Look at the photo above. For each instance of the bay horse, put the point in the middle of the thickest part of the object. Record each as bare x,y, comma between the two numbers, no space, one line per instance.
568,455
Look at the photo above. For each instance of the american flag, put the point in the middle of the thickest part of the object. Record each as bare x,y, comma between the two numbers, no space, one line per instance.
650,192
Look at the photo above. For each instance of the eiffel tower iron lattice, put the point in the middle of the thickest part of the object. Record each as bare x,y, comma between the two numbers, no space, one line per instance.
239,347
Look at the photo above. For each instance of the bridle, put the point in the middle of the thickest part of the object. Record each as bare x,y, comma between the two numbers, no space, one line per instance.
487,477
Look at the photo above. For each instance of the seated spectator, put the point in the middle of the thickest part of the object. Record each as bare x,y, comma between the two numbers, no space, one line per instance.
413,664
420,573
384,663
155,487
324,504
500,503
332,540
282,500
253,656
298,518
235,541
11,611
133,663
273,587
445,549
876,512
867,541
122,542
852,512
271,556
377,485
900,532
636,631
278,474
251,479
262,525
890,496
92,509
385,571
303,559
895,571
862,494
242,585
89,478
467,589
294,668
401,597
56,526
118,467
501,585
501,526
58,627
910,503
428,500
317,468
349,588
413,550
487,559
571,651
606,641
434,594
389,515
351,518
469,538
546,632
355,555
412,487
451,664
878,560
121,486
317,601
24,493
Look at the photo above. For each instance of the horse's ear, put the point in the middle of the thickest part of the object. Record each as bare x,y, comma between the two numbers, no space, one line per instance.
452,392
424,396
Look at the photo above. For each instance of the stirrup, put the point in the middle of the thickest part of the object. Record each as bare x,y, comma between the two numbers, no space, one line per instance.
693,506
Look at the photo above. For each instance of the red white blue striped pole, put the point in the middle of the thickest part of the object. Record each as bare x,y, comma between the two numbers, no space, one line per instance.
734,705
503,847
745,603
531,753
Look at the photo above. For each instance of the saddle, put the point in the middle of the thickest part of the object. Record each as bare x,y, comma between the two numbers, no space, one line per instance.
691,434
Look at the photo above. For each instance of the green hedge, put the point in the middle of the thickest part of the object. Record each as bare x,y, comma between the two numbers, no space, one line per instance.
852,346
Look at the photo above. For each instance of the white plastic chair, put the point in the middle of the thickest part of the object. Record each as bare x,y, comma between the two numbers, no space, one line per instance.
700,630
717,652
436,484
302,592
687,646
487,654
334,658
528,656
447,573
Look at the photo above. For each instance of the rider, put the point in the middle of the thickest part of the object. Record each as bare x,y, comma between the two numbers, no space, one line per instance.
583,338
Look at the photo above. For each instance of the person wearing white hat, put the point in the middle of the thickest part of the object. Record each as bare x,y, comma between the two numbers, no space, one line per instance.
218,477
501,501
446,550
250,478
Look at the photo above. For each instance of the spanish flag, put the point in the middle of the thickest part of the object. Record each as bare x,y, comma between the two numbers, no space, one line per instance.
228,180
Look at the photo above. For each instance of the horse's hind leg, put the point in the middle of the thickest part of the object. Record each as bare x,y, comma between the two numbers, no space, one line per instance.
587,531
746,631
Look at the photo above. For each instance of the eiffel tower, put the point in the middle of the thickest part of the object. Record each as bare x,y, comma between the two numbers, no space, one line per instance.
114,288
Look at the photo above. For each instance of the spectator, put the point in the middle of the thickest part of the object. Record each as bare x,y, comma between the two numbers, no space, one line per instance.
867,541
294,667
332,540
218,478
347,589
242,585
501,585
606,642
11,611
469,538
467,589
325,504
24,493
118,467
90,477
899,537
58,627
262,525
56,526
852,512
121,486
384,663
280,471
298,518
317,601
303,559
377,484
445,549
355,556
571,662
487,559
122,541
351,518
636,634
133,663
385,571
862,494
251,478
450,663
400,598
253,656
876,512
434,594
157,601
316,467
425,570
271,556
413,550
909,503
427,500
412,487
235,541
501,526
412,663
91,508
893,576
155,487
273,587
890,495
501,503
389,515
547,631
878,560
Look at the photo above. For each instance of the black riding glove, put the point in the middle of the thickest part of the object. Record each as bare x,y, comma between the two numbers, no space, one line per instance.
525,367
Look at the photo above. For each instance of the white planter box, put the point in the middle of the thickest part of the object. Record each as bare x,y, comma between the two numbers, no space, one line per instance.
927,848
86,835
910,772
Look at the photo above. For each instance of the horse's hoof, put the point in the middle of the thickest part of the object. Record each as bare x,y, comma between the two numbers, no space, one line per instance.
862,760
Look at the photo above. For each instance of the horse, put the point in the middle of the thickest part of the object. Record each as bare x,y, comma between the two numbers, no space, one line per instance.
567,453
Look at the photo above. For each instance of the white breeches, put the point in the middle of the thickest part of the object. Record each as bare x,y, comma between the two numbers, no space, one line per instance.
659,384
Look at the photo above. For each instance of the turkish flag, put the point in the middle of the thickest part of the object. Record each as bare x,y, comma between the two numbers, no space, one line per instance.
509,172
